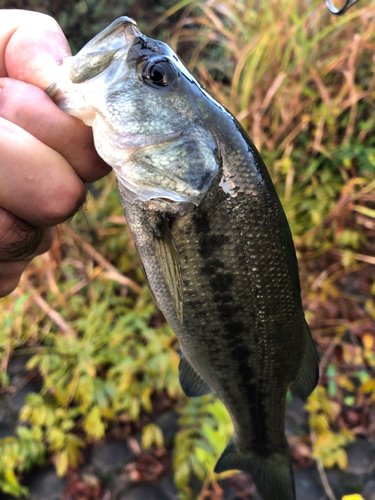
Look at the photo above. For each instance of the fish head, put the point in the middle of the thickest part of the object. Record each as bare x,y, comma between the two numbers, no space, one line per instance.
142,104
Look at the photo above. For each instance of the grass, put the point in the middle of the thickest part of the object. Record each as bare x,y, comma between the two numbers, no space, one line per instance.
302,84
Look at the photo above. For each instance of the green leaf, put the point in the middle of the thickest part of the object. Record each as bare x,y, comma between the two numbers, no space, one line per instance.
182,475
152,434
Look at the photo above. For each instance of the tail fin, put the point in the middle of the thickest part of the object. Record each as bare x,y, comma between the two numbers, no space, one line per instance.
272,475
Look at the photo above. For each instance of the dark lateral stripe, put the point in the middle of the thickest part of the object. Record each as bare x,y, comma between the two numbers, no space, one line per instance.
222,284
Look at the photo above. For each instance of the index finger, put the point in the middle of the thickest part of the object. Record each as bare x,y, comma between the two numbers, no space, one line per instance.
32,45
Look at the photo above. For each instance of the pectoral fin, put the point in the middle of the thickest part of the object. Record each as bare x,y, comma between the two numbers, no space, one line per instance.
148,284
308,373
192,383
170,264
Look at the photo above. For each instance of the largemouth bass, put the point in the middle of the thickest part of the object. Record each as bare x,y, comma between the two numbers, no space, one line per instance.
211,233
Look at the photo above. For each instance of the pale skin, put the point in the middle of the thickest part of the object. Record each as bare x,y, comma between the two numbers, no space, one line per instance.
46,156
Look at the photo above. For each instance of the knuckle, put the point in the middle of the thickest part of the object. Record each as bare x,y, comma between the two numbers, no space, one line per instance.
18,240
47,241
19,102
8,286
64,205
10,275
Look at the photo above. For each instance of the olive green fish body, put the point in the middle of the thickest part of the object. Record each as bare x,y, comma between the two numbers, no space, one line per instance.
212,237
242,314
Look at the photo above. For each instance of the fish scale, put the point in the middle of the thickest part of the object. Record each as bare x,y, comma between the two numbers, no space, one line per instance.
233,331
211,234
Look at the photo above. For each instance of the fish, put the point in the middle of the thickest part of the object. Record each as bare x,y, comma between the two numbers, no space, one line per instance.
212,236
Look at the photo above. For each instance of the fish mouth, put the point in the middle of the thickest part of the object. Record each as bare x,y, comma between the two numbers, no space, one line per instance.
95,57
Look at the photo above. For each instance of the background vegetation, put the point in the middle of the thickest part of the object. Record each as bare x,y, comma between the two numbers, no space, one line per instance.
302,83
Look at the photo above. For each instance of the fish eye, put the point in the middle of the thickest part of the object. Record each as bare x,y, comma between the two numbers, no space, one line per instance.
159,72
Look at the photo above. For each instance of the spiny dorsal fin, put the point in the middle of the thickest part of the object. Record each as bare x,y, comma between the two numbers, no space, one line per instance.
192,383
170,264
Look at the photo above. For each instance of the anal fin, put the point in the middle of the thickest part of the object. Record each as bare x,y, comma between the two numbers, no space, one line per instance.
308,373
192,383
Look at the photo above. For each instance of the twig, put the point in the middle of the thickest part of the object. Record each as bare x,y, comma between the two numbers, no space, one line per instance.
123,280
340,328
76,288
5,360
358,256
113,272
54,315
50,312
324,480
206,485
322,474
53,285
326,357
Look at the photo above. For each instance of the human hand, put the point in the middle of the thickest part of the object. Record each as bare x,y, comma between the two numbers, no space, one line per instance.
46,156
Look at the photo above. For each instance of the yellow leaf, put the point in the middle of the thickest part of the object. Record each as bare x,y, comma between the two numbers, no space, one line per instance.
347,258
182,474
368,340
334,409
11,477
353,497
93,423
42,415
134,409
365,211
56,437
352,354
25,413
90,368
146,399
74,454
345,382
125,381
62,462
328,462
175,360
370,307
319,422
368,386
342,458
152,434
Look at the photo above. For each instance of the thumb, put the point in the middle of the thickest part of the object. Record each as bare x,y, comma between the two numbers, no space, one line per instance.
32,46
